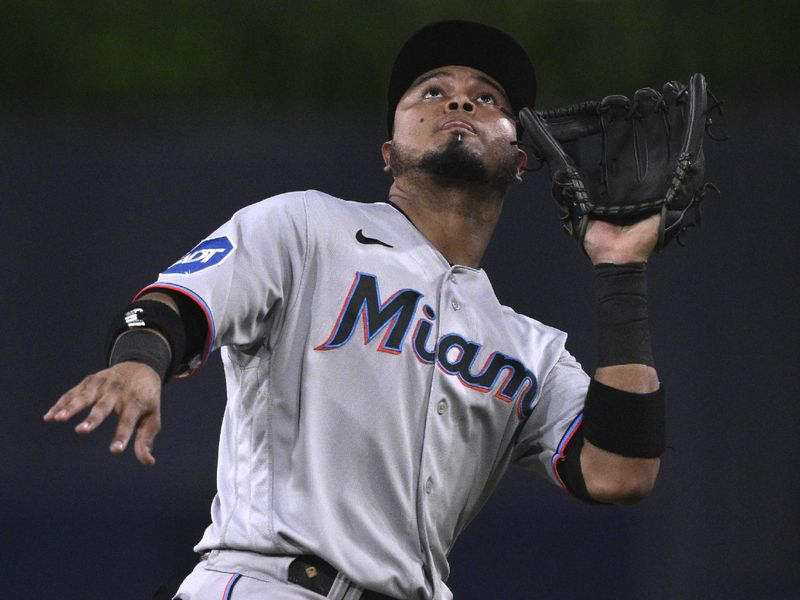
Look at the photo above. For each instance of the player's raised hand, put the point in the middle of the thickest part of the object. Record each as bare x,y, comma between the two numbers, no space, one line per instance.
132,390
607,242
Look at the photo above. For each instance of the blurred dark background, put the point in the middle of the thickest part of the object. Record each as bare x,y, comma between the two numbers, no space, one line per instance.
130,130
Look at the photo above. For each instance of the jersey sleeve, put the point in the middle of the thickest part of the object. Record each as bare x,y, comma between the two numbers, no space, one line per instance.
243,272
555,419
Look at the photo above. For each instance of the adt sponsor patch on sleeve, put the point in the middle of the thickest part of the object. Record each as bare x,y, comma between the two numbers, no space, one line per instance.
206,254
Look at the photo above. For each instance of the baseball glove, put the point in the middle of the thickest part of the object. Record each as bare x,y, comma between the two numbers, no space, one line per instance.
651,157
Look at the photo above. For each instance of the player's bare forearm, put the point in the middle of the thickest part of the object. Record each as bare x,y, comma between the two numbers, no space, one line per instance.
639,379
615,479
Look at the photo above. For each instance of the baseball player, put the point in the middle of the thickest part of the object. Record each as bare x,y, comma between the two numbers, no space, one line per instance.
377,389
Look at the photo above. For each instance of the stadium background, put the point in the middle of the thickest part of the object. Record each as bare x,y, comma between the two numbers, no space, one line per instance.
130,130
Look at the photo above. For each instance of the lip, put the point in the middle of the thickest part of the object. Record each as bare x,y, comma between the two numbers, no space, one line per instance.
458,124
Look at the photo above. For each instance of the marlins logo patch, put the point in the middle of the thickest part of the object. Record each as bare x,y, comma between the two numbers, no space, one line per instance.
205,254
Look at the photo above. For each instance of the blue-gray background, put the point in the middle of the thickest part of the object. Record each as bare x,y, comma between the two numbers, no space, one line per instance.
130,130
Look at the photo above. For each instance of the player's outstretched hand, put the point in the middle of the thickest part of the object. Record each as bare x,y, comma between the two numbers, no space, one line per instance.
132,390
608,242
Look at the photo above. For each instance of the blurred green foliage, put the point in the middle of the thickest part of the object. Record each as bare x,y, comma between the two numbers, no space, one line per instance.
93,53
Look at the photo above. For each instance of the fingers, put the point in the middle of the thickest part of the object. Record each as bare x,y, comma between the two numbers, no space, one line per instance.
135,416
98,414
132,390
81,396
146,433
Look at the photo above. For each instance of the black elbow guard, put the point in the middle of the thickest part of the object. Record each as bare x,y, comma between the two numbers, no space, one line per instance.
625,423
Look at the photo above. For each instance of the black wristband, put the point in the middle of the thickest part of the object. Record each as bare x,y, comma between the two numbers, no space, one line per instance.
623,328
625,423
144,346
151,314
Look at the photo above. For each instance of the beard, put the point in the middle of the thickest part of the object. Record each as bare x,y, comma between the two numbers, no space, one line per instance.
456,165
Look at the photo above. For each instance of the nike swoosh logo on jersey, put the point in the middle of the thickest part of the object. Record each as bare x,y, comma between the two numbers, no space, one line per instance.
362,239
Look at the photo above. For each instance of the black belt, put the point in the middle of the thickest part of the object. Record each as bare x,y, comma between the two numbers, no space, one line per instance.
313,573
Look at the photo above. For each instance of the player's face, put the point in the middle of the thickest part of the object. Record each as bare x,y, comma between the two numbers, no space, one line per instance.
454,113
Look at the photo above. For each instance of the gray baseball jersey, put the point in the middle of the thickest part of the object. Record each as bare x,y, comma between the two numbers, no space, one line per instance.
376,393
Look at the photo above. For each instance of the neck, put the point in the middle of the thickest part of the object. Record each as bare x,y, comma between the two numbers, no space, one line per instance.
459,222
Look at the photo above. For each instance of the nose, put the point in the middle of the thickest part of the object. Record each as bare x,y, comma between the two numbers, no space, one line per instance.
466,105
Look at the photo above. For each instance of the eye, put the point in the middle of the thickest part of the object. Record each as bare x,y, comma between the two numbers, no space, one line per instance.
486,99
433,93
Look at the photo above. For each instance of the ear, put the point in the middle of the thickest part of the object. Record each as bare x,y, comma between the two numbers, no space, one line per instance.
522,162
386,150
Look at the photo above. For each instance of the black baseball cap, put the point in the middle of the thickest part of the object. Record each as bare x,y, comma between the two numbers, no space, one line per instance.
467,44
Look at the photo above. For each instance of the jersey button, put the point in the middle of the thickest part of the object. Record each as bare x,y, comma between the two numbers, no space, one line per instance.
441,408
428,486
452,278
455,304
